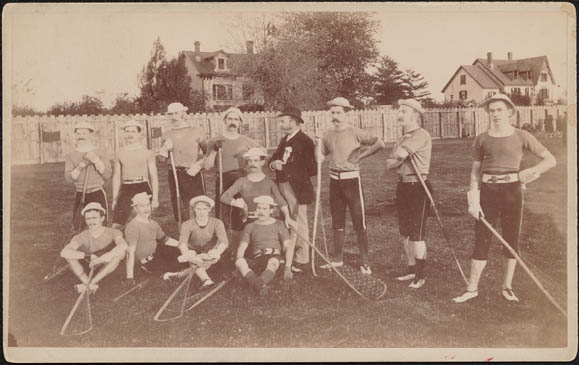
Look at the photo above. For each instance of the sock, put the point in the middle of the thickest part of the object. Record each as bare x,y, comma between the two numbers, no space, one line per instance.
339,235
267,276
363,246
253,280
510,265
419,269
476,269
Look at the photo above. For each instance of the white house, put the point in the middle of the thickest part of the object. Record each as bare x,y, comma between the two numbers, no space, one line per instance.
486,77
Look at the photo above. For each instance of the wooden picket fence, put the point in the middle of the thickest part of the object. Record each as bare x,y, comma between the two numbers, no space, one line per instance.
45,139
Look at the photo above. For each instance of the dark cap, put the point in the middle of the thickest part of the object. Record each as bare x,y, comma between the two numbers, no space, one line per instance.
292,111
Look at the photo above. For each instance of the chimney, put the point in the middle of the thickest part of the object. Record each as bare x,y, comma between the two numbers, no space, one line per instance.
249,45
197,51
490,59
510,56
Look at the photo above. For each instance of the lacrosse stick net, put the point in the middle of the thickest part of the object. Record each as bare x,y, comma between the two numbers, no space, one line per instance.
174,306
79,320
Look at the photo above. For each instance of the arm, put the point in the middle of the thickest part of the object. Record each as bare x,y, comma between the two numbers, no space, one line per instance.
396,158
309,158
227,196
222,242
241,250
71,172
154,178
473,195
116,182
547,162
118,252
367,152
71,252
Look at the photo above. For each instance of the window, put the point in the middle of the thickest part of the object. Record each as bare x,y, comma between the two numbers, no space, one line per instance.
544,77
516,75
462,95
491,93
221,63
544,93
516,91
222,92
451,97
247,91
527,91
463,79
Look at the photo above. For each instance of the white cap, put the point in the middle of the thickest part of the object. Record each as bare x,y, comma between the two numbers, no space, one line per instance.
92,206
176,107
411,103
255,152
499,97
141,198
340,101
233,110
202,198
264,199
131,123
84,125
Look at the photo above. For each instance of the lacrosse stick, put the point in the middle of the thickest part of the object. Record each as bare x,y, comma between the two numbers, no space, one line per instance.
444,232
194,300
317,208
174,306
177,192
139,286
523,265
76,227
78,321
366,286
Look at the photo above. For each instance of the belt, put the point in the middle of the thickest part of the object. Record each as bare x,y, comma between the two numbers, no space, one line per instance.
342,175
266,251
90,190
412,178
135,180
500,178
179,167
146,259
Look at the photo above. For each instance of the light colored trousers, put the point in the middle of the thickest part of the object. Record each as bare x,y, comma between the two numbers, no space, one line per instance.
299,213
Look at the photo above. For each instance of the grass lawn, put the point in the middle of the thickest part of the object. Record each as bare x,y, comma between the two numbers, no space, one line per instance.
315,312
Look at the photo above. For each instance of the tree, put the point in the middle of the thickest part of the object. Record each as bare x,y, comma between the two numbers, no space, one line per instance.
87,105
125,105
150,80
519,99
24,111
390,83
307,58
415,85
163,82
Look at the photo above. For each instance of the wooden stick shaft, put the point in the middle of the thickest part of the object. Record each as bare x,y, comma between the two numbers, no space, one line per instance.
177,192
185,281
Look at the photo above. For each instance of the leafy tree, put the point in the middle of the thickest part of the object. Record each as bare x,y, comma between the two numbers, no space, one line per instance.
24,111
519,99
87,105
125,105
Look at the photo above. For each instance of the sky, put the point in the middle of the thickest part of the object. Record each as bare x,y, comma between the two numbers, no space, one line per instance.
63,51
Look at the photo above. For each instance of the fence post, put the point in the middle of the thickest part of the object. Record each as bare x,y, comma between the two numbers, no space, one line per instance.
40,154
148,134
459,124
383,127
518,119
115,138
315,125
532,124
440,124
474,123
266,127
360,120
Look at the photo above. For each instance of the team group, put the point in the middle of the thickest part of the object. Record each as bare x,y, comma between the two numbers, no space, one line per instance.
260,224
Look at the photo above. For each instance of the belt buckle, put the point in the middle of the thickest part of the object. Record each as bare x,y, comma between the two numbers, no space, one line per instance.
494,179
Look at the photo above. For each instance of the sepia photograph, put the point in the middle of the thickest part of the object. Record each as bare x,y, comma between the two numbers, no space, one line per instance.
289,182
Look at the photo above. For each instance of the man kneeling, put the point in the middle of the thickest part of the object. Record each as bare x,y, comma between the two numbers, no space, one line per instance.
264,239
94,244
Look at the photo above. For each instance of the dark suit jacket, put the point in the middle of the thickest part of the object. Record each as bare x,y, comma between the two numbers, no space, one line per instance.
299,167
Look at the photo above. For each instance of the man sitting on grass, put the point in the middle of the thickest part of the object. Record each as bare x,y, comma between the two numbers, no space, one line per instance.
94,244
264,238
202,239
142,234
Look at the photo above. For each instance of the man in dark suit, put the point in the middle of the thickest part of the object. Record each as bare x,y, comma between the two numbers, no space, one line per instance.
294,164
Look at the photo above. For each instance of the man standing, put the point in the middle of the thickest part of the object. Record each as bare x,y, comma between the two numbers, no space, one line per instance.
233,145
87,167
496,189
412,201
94,244
184,142
294,163
134,168
343,146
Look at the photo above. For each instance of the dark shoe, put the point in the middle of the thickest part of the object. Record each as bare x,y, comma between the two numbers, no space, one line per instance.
299,267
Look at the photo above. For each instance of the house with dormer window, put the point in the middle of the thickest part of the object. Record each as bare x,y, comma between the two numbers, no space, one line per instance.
215,75
485,77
